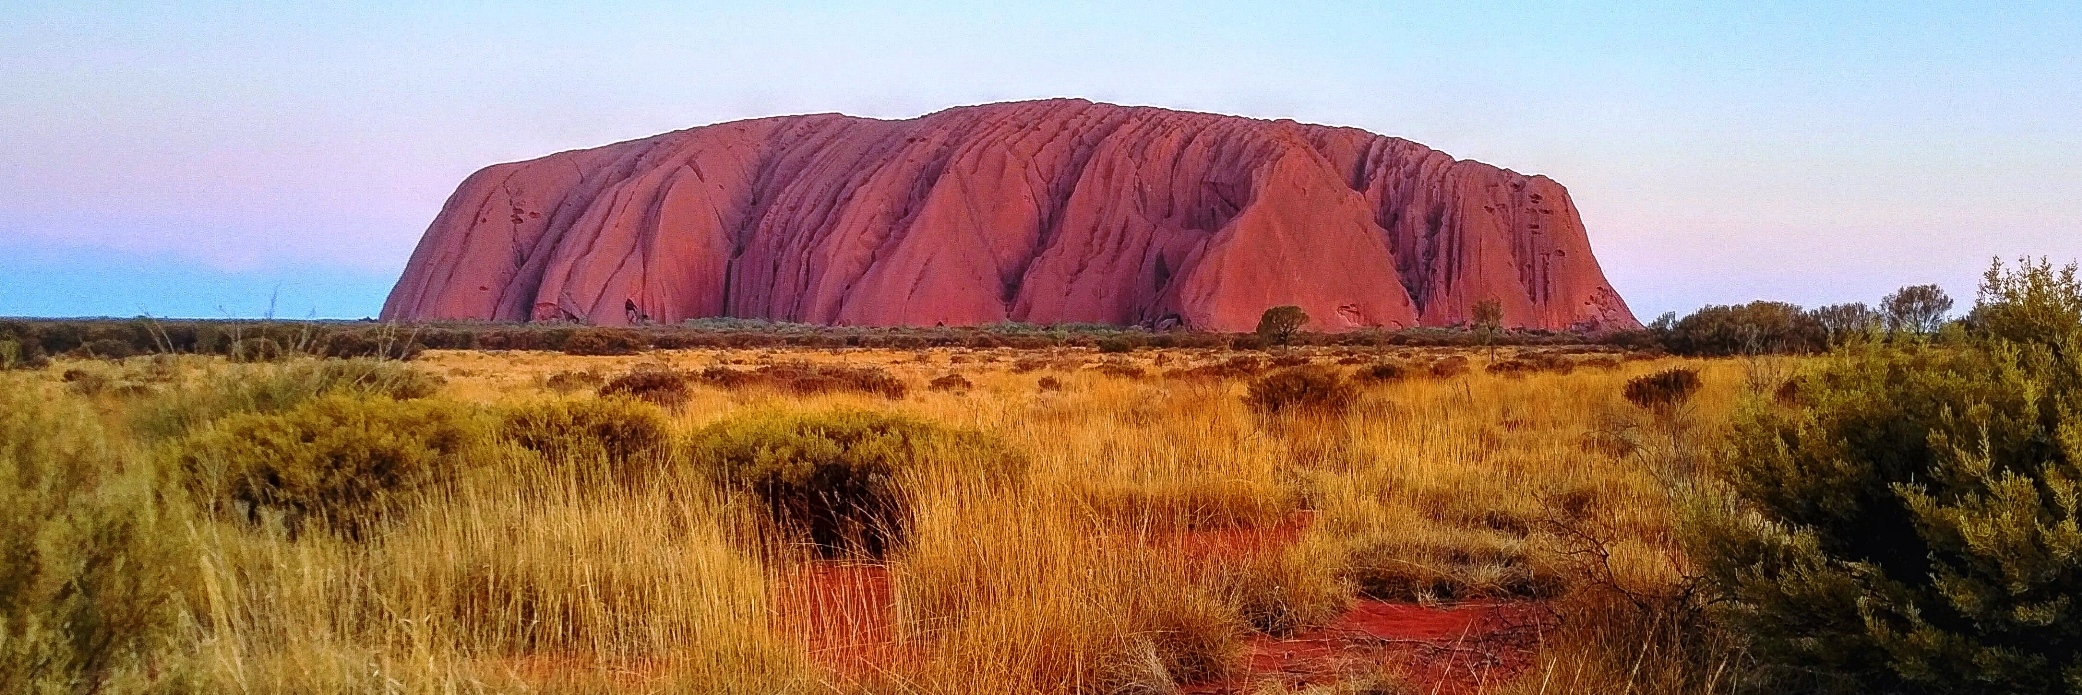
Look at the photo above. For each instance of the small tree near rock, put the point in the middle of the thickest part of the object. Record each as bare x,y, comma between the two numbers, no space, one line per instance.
1279,324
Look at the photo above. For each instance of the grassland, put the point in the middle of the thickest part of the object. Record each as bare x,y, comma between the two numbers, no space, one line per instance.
1158,534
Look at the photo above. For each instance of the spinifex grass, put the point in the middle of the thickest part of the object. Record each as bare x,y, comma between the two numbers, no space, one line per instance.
1131,553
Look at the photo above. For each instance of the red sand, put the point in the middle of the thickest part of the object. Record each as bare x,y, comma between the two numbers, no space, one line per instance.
1445,650
842,612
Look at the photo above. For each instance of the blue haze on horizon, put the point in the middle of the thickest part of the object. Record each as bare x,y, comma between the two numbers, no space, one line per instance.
199,159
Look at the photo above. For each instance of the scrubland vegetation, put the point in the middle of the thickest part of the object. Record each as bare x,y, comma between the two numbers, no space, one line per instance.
1895,515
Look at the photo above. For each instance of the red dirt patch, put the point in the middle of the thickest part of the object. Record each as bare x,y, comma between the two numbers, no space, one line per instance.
843,614
1443,650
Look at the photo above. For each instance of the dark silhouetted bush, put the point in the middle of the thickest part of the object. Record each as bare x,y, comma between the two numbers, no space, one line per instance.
1116,345
1382,372
1663,390
837,478
1916,310
665,388
1278,325
1302,390
568,382
338,459
602,341
1049,383
1450,366
950,382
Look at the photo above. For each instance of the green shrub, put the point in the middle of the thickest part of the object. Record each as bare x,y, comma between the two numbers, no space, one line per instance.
1912,526
1308,390
1663,390
87,581
615,431
273,388
837,478
340,459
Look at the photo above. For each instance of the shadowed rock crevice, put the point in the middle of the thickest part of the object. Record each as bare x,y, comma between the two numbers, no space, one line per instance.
1043,212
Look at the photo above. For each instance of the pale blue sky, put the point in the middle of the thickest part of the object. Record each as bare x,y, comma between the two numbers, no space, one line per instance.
195,158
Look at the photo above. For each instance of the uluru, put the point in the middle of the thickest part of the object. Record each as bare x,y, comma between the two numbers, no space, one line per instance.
1039,212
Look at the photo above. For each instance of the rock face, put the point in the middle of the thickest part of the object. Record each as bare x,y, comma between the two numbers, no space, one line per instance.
1038,212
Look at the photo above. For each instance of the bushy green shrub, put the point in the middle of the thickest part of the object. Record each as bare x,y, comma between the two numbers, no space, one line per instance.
87,563
1915,524
837,478
1304,390
340,459
615,431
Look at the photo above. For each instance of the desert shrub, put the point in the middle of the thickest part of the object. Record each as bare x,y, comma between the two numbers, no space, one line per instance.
1115,345
107,349
1381,372
86,382
1450,366
271,388
258,350
1911,526
569,381
1448,565
1247,342
1663,390
87,587
1029,364
1290,361
1119,370
1512,368
1305,390
339,459
665,388
803,378
1049,383
836,478
2031,304
16,354
950,382
1237,367
602,341
616,431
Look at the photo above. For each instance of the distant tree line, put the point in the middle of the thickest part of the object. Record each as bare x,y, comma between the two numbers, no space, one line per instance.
1767,327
